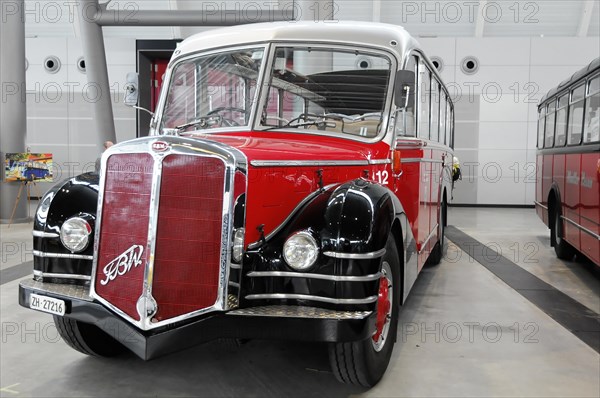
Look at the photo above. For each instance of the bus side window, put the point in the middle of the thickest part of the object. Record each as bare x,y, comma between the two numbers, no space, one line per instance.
575,124
425,99
435,109
541,124
561,121
550,119
591,132
443,106
411,126
449,125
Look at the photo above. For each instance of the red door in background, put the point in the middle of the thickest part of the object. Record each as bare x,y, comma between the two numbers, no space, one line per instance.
159,67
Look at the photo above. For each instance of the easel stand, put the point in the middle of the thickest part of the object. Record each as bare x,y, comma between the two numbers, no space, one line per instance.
27,184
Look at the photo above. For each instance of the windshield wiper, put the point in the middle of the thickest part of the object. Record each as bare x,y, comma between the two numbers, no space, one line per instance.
201,122
318,123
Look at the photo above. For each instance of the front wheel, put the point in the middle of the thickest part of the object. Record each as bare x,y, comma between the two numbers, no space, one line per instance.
87,338
364,362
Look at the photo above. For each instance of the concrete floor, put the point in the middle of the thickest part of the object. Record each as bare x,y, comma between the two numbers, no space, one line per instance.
462,332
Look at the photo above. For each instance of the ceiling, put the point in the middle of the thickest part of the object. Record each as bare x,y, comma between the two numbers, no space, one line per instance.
423,18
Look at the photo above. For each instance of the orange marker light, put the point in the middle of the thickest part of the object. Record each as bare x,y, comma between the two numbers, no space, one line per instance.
397,163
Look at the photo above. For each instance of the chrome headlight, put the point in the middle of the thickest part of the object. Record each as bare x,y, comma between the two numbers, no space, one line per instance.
300,251
75,234
238,245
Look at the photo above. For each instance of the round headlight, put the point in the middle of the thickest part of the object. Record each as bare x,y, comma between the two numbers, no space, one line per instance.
238,245
75,234
300,251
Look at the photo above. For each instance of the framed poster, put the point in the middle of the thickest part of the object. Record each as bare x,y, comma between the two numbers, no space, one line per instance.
28,167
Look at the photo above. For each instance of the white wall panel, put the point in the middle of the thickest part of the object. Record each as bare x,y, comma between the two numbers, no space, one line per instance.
494,51
505,135
443,47
120,51
575,51
504,191
547,77
509,108
493,81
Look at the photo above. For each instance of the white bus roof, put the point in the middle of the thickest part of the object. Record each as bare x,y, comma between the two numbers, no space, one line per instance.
391,37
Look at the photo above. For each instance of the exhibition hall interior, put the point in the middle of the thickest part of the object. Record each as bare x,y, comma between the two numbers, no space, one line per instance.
379,198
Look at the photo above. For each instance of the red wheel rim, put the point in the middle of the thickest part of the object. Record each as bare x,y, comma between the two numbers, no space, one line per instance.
384,308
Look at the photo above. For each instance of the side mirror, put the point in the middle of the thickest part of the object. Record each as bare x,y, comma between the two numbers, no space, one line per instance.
404,88
132,93
131,90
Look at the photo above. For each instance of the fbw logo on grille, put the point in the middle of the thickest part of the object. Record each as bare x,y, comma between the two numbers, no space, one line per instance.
123,263
160,146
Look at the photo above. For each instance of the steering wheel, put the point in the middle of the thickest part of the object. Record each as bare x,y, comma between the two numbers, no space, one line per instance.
229,122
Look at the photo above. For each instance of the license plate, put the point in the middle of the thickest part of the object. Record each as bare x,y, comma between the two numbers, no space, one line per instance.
47,304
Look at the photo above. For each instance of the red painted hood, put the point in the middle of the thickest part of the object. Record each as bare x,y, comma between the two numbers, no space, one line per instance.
273,192
290,146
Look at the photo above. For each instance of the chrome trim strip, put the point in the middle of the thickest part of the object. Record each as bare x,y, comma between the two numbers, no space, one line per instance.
62,276
541,205
71,256
380,161
290,296
235,266
292,214
234,284
335,278
146,293
420,160
42,234
293,311
409,142
584,229
403,142
428,238
356,256
304,163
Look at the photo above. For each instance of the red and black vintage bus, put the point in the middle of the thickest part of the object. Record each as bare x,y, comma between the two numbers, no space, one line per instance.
568,164
294,183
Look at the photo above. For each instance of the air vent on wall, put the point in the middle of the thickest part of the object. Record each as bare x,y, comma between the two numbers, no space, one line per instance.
469,65
363,63
438,63
81,65
52,64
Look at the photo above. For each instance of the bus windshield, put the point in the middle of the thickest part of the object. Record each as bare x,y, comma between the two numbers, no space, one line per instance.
211,91
332,90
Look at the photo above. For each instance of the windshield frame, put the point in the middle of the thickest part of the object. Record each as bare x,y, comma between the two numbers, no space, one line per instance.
156,126
263,84
346,47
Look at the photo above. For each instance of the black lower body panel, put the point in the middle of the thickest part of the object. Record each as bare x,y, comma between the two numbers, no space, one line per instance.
151,344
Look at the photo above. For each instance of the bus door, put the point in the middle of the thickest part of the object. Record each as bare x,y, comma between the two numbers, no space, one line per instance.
589,181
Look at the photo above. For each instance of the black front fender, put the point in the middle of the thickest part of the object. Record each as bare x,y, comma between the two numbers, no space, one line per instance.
77,196
358,218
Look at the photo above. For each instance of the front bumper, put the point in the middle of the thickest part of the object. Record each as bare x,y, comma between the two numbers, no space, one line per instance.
267,322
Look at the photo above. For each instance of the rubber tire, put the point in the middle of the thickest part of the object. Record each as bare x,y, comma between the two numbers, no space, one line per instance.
440,247
357,362
563,249
87,338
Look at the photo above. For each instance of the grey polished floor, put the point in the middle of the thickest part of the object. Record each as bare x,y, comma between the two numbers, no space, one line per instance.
463,332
